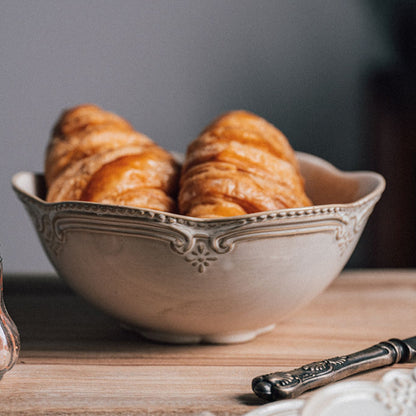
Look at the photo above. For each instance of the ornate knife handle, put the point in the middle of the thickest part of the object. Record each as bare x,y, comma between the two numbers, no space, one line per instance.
287,385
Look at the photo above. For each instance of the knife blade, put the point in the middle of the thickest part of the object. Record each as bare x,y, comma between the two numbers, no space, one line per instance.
291,384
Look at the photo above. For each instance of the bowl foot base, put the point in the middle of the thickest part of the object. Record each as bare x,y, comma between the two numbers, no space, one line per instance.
221,338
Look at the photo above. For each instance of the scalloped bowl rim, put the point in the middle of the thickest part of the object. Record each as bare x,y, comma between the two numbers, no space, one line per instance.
302,157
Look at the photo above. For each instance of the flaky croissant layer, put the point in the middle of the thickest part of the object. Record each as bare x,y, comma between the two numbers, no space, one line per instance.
97,156
239,164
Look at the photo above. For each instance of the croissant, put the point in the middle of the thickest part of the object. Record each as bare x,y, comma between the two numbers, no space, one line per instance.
97,156
240,164
83,131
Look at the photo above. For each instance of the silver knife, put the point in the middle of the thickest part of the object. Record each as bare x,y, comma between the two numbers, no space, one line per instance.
291,384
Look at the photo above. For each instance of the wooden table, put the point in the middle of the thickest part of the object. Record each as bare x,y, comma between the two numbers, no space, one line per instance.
77,361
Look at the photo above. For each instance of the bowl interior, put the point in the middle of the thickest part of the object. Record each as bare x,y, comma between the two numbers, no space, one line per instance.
327,185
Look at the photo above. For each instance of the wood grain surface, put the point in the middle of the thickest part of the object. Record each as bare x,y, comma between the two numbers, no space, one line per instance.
75,360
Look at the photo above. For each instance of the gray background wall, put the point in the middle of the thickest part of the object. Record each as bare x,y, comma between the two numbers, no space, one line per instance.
169,67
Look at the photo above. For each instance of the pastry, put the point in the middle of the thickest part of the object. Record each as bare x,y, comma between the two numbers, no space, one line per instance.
240,164
83,131
97,156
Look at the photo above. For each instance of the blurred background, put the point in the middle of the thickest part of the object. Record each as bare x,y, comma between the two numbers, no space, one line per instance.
337,77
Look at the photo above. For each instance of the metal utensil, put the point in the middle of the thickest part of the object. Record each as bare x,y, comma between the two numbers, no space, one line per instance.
287,385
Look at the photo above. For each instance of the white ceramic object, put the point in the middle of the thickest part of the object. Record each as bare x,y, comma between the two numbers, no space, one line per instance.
393,395
180,279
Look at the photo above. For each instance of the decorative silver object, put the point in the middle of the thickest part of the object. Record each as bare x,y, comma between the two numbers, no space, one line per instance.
393,395
291,384
9,335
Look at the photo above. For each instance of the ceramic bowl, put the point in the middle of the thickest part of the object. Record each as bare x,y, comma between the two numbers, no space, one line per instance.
180,279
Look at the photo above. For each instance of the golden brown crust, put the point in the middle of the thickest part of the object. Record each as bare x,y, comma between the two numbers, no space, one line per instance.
250,122
72,182
77,118
239,164
216,209
96,156
242,163
150,175
83,131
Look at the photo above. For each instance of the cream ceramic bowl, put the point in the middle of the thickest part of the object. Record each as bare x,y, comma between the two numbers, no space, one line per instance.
180,279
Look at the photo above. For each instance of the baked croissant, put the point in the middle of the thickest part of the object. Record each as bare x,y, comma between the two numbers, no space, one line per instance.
97,156
240,164
83,131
